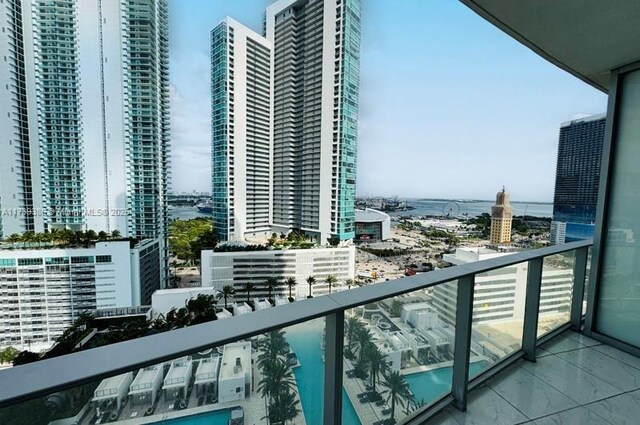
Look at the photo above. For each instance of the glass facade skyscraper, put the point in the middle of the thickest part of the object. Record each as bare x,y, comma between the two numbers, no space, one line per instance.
285,121
316,84
85,116
577,179
240,131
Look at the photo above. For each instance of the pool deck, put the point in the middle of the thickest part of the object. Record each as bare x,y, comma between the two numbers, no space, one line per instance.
368,413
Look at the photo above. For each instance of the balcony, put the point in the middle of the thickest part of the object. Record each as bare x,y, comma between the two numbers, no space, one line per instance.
440,349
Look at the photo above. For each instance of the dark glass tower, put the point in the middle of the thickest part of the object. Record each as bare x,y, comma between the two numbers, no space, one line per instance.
577,178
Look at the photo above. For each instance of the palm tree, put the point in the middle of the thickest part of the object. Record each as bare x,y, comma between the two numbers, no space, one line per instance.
349,283
287,410
272,347
227,291
377,364
249,286
399,391
271,284
310,281
201,309
330,280
276,377
364,337
291,282
353,325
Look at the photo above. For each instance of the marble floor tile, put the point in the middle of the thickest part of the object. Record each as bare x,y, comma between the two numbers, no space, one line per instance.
620,355
569,379
577,416
608,369
541,352
620,410
443,418
561,344
528,394
487,407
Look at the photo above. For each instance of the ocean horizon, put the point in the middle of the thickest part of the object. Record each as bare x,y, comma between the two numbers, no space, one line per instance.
457,208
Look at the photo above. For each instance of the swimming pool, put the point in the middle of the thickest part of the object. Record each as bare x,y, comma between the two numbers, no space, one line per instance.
304,340
218,417
431,385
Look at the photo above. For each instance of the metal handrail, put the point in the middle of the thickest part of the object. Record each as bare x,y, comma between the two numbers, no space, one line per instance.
29,381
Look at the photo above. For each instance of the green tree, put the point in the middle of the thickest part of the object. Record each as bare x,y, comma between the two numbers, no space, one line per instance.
396,308
377,364
364,338
277,378
249,286
271,285
25,357
272,346
349,283
330,280
310,281
333,241
399,391
287,409
354,325
291,283
201,309
228,291
8,355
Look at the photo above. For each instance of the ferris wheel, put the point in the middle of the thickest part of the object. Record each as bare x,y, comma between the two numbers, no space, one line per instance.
451,210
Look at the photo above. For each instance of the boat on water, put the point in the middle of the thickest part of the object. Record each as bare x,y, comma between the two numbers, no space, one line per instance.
205,207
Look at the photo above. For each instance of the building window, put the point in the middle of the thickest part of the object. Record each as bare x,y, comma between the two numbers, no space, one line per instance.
82,260
103,258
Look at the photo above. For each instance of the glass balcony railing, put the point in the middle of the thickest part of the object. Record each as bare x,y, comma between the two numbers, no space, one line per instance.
393,352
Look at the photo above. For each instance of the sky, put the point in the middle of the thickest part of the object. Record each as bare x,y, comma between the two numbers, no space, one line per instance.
450,107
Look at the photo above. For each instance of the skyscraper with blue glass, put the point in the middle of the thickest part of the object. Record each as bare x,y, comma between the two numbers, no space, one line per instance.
313,48
240,131
577,179
85,116
316,84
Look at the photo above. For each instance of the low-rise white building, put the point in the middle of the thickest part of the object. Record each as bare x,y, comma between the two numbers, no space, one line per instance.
234,382
176,383
420,315
111,393
499,295
239,267
206,379
43,290
144,388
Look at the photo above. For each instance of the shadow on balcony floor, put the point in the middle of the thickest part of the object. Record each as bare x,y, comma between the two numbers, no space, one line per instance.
576,380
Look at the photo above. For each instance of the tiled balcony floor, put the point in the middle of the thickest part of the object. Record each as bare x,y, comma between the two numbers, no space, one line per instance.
575,381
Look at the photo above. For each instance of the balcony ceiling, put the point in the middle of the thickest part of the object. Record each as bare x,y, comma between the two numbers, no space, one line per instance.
584,37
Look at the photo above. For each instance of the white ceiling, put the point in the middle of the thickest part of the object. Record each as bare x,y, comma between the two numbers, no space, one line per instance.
587,38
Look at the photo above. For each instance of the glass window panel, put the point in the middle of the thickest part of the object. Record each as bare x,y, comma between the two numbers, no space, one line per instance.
498,313
399,349
555,291
618,313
